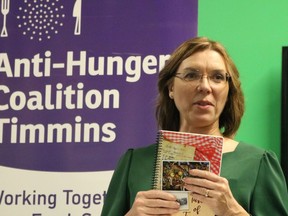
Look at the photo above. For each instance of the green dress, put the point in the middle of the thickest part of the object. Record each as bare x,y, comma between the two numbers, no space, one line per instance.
255,178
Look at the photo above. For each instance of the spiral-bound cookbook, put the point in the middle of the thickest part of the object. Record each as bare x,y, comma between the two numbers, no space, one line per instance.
177,153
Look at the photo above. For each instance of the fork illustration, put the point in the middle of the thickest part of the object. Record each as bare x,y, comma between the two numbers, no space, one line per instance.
5,7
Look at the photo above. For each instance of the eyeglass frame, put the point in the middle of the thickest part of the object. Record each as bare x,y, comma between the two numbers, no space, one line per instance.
227,77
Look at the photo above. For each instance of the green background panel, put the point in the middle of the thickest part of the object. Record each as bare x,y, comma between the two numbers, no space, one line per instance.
253,33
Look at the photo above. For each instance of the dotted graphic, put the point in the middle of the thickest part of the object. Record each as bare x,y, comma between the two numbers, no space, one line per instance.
41,19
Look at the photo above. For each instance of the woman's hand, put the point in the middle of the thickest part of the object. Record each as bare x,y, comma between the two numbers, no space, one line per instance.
214,191
154,202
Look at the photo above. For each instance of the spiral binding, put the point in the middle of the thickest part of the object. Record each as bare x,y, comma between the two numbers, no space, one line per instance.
157,162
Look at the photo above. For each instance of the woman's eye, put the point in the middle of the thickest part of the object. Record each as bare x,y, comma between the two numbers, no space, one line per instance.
192,75
218,77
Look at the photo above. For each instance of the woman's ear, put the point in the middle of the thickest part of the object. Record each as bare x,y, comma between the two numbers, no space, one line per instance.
171,93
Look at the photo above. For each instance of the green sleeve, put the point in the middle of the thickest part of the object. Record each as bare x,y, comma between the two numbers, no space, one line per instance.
270,195
117,199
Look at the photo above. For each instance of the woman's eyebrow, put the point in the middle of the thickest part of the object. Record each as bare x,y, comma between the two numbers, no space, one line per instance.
187,69
218,70
191,69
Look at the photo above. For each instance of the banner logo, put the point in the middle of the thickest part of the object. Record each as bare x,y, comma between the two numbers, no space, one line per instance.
40,20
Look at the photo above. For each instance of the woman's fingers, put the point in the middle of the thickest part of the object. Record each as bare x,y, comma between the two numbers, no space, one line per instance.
204,174
212,190
155,202
152,194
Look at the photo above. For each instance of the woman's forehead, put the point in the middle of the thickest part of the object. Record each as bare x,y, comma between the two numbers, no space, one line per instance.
204,59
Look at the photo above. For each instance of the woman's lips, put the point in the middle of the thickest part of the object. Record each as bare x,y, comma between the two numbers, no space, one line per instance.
203,104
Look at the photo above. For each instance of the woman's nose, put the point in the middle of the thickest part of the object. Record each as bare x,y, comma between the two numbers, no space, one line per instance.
204,85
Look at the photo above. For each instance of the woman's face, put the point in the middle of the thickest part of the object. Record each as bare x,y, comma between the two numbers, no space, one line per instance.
201,100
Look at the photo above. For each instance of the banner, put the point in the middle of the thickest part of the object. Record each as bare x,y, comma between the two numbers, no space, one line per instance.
78,81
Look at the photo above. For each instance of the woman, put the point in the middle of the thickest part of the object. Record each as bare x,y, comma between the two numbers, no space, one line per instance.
200,92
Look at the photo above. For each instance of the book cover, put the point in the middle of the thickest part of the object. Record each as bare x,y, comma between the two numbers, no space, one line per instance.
177,152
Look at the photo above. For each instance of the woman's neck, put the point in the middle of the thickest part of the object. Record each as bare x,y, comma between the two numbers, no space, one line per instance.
201,130
229,145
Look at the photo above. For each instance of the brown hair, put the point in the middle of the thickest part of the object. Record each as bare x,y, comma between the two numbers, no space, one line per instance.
166,112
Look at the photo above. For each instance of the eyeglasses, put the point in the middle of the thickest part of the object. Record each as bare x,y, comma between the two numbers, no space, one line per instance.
217,78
